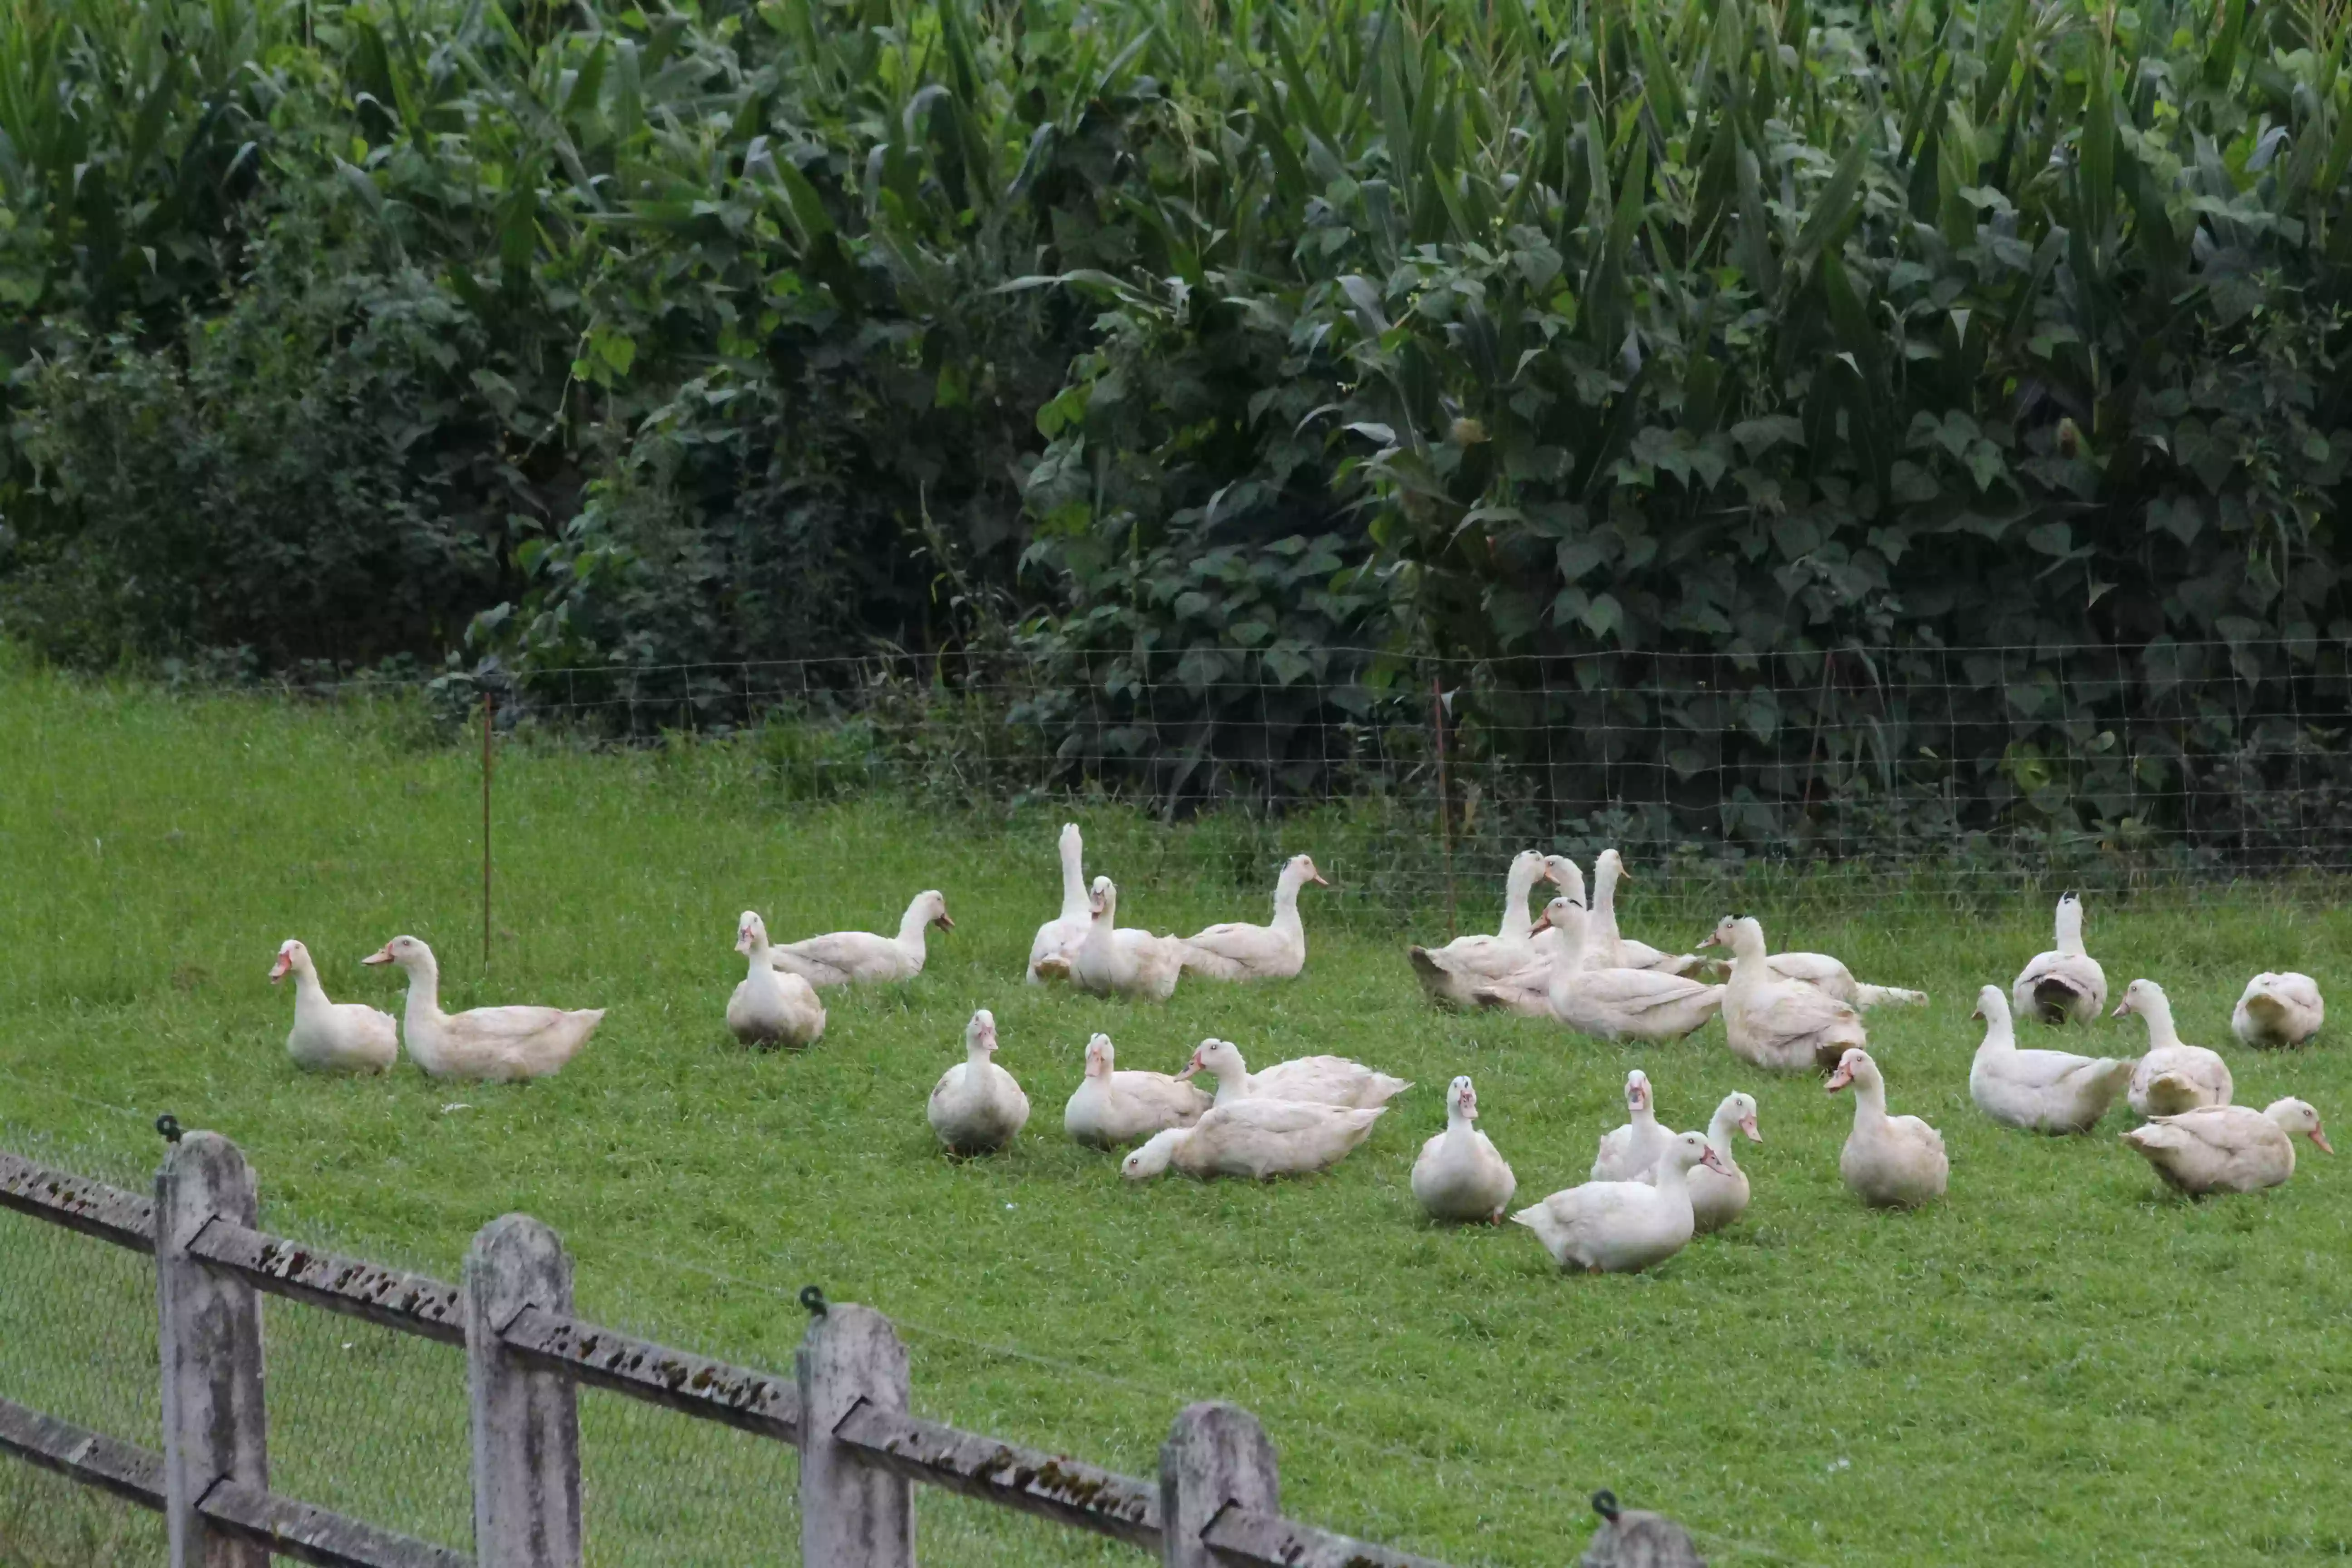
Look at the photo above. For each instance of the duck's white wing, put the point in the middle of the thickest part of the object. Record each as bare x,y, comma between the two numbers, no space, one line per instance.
493,1025
846,951
1638,990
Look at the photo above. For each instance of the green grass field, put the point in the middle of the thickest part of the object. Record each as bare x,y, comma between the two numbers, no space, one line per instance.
2060,1363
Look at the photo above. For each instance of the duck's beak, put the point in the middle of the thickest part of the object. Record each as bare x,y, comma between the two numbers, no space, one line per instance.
743,940
278,970
943,922
2319,1137
380,955
1979,1013
1713,1162
1747,1125
1543,922
2122,1007
1840,1079
1192,1066
1318,879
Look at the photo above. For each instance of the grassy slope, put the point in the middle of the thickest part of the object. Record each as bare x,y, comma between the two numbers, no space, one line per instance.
2059,1363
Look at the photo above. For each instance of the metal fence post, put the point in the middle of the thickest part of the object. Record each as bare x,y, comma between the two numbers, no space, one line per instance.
852,1516
526,1423
1216,1456
216,1423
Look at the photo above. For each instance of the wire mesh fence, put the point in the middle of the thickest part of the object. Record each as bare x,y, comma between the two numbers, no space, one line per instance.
1951,772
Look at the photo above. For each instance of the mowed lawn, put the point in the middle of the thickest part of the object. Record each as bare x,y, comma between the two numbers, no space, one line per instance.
2060,1363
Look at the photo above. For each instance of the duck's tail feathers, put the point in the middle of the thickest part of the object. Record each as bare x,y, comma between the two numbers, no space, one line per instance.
2054,998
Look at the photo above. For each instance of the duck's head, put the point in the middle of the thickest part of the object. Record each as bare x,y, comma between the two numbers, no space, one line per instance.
1739,1109
1854,1066
750,931
1564,873
405,950
1727,932
1302,869
1562,915
1462,1099
1691,1149
290,954
1152,1158
1637,1092
1992,1003
934,905
1098,1057
1103,899
2139,997
980,1035
2297,1116
1214,1057
1610,864
1070,840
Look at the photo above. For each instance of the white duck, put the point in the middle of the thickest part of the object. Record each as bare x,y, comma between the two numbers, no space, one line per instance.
1784,1024
1822,972
860,957
332,1036
1604,948
1611,1004
1622,1228
976,1106
1110,1106
1256,1138
2038,1091
2228,1148
1458,1176
1890,1161
1238,950
1324,1081
2066,983
498,1043
1448,973
1630,1152
2171,1077
1060,936
773,1007
1720,1196
1549,942
2278,1010
1115,962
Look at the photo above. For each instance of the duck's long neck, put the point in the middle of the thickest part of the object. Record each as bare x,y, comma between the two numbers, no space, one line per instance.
310,996
1232,1084
424,994
2070,930
1720,1133
1642,1115
1673,1177
1604,916
1074,879
1517,925
911,926
762,967
1568,961
2157,1011
1285,904
1747,956
2001,1034
1869,1102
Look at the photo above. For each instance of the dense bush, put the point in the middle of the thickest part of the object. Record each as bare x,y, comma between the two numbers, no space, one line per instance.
1168,352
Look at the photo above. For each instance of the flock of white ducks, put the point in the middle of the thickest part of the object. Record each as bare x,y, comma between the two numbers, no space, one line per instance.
1651,1189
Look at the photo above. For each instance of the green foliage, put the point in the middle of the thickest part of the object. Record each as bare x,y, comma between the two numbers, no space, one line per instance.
1162,347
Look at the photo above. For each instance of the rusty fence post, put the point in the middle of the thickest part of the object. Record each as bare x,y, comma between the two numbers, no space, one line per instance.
526,1423
208,1339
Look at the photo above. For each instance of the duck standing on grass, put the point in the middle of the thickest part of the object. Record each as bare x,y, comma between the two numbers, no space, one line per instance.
976,1106
494,1043
332,1036
1059,937
2171,1077
1720,1196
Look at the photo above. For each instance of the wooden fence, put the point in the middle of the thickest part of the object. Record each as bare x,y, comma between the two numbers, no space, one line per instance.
1216,1500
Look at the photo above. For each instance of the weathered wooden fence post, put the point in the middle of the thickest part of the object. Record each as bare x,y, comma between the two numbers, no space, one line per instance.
852,1516
1216,1456
526,1423
216,1423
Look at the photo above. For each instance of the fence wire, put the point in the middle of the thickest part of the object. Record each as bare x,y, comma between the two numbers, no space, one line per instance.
1952,772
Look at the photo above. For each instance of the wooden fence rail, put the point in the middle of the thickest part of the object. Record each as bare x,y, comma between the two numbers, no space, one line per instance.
1216,1502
